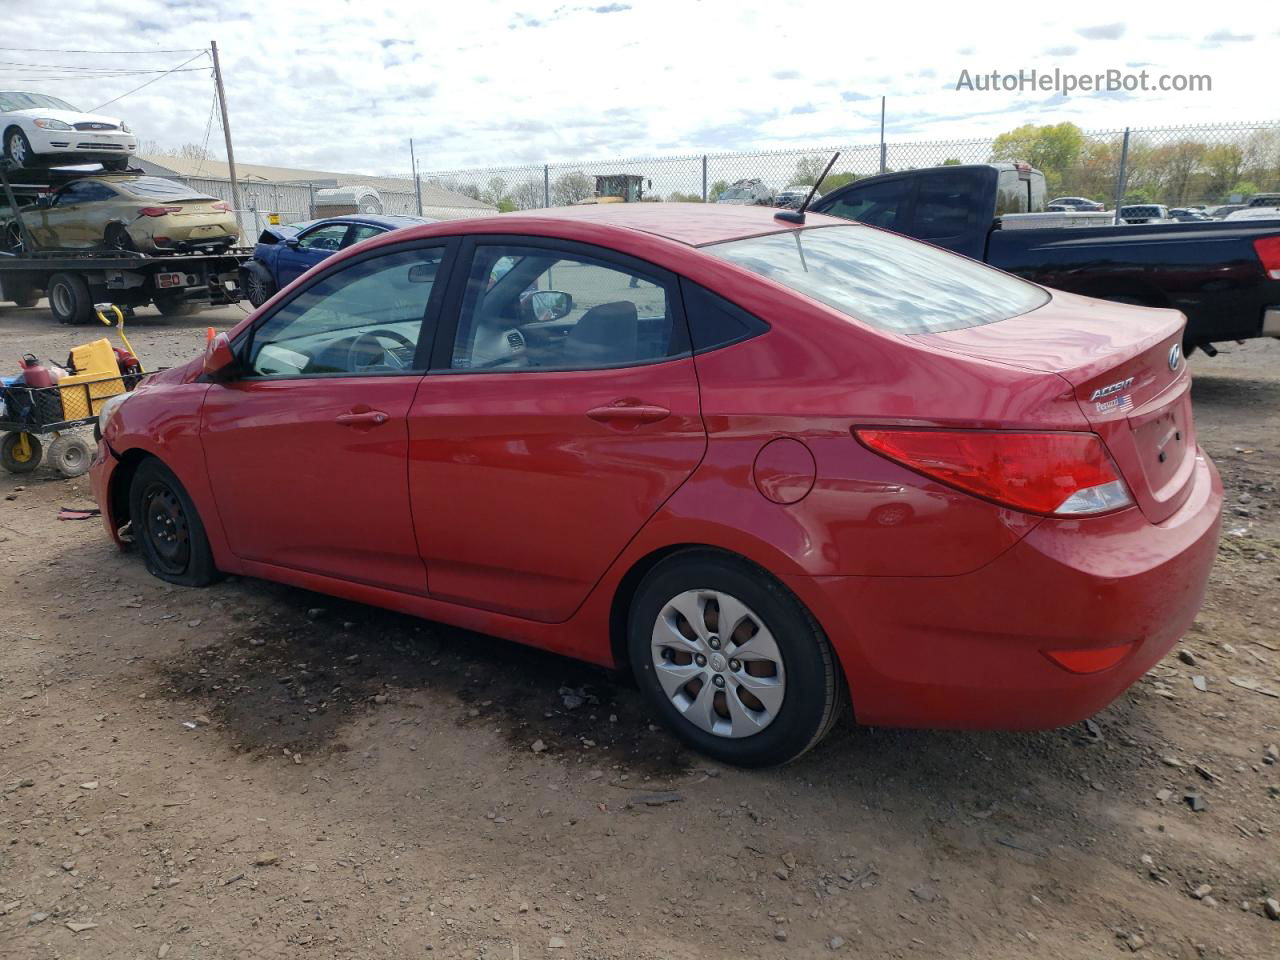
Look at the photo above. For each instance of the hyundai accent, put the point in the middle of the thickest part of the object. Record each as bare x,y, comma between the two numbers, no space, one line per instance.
772,468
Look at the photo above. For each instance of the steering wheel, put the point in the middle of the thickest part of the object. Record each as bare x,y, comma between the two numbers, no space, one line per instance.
367,351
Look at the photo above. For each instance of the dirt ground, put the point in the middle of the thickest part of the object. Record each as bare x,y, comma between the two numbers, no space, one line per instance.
253,770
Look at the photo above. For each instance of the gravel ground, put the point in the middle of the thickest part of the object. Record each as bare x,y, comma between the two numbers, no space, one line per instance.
253,770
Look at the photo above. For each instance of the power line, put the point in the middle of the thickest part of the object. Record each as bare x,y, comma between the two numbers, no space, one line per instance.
60,50
202,53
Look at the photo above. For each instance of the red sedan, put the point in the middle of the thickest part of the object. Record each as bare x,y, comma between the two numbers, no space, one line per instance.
771,468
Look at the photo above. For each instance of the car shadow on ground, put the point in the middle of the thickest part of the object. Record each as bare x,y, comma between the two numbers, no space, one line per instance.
1209,389
292,676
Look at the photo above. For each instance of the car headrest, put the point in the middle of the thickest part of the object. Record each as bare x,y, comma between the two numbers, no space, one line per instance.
605,334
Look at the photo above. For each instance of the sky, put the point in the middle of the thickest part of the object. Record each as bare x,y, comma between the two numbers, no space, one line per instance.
338,85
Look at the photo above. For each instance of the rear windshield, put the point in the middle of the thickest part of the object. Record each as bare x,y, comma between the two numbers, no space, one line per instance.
887,281
158,188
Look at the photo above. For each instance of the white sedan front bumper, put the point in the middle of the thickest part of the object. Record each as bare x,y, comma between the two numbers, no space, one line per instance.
81,141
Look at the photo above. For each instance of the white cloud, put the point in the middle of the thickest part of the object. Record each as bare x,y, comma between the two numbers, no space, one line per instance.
333,84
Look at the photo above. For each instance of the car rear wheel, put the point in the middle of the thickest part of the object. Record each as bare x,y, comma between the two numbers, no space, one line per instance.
732,661
167,528
13,238
117,238
18,148
258,285
69,298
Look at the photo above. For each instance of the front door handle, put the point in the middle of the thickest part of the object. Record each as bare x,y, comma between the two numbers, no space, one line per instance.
623,412
365,418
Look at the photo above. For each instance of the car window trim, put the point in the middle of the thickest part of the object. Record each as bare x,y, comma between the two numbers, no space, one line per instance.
446,330
242,346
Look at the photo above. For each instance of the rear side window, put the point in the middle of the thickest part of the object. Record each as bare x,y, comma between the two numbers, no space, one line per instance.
889,282
714,321
1013,194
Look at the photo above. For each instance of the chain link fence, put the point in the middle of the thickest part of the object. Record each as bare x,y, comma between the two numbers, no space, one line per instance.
1176,166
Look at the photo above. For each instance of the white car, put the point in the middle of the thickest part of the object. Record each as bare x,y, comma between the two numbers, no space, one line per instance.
40,131
1255,213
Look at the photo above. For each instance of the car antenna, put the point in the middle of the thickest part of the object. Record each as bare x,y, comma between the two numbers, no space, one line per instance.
797,215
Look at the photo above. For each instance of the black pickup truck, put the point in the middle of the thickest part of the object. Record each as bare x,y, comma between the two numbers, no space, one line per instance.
1224,275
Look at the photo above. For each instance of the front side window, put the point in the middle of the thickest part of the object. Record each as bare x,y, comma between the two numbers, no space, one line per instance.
882,204
328,238
366,318
535,307
889,282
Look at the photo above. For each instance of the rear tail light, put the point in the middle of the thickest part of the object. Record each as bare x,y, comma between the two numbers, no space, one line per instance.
222,206
1268,249
157,211
1060,474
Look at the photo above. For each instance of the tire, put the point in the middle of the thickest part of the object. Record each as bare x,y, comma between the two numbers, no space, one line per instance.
800,689
257,282
173,307
17,148
12,460
117,164
117,238
167,528
70,455
24,296
69,299
13,238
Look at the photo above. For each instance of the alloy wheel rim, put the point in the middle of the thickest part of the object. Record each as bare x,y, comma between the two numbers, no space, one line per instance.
17,150
166,527
256,290
61,298
718,663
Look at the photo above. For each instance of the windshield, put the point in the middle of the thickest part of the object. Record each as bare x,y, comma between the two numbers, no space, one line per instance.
17,100
158,188
735,193
887,281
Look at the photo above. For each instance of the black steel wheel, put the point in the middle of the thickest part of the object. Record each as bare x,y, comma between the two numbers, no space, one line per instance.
168,529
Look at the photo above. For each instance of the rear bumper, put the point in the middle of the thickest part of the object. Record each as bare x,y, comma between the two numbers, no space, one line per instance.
971,651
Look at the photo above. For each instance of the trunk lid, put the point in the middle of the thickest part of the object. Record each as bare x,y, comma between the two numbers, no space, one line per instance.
1127,373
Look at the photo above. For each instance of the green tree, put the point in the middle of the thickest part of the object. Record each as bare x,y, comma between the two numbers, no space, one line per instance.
569,188
808,169
678,197
717,188
951,162
1053,149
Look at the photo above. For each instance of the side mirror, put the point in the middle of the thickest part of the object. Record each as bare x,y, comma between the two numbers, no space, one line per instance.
549,304
291,243
219,358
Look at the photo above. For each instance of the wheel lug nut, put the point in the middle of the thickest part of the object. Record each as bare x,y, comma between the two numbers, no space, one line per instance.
735,665
700,660
714,643
718,680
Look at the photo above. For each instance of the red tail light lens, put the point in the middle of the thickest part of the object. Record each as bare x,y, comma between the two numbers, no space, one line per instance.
157,211
222,206
1064,474
1268,249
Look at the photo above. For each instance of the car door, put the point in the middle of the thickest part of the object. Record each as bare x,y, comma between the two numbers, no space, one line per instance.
56,225
306,447
561,412
308,248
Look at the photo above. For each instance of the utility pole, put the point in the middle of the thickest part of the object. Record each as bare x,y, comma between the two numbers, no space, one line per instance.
226,129
883,149
417,185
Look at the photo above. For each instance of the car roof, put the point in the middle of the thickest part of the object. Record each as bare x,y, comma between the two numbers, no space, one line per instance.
694,224
376,219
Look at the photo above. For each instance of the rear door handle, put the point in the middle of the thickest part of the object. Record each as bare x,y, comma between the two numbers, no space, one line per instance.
365,418
629,413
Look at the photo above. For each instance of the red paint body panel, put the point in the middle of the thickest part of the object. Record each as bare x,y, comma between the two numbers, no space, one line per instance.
296,488
520,500
493,502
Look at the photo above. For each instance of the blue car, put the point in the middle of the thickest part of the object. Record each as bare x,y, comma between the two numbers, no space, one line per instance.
285,253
